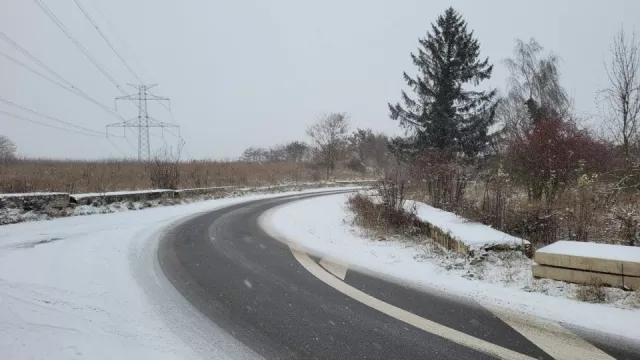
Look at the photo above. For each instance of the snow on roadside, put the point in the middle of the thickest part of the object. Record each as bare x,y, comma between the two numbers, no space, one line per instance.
321,226
11,215
473,234
87,287
30,194
125,192
594,250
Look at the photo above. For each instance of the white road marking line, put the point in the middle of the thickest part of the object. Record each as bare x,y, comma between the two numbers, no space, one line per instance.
335,267
405,316
551,337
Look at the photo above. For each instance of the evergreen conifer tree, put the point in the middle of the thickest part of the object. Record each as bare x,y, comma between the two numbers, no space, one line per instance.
448,112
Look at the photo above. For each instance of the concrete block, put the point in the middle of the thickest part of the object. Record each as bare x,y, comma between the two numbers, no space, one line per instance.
632,282
607,258
578,262
631,268
576,276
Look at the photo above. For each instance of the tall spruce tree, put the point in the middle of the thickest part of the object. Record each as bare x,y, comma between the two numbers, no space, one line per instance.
448,113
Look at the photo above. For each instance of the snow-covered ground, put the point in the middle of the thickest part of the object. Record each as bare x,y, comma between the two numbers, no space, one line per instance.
12,215
30,194
90,287
473,234
593,250
502,280
117,193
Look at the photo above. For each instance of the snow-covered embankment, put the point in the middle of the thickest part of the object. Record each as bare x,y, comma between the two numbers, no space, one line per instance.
321,226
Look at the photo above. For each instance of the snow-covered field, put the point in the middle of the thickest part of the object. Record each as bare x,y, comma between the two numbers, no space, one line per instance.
89,287
500,280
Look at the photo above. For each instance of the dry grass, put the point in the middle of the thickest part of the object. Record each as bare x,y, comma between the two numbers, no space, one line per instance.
581,213
389,216
594,293
110,175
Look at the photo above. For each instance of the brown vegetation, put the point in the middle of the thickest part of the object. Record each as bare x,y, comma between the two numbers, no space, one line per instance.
385,213
111,175
594,293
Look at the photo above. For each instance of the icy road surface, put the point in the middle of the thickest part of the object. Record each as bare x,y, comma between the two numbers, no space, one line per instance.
89,287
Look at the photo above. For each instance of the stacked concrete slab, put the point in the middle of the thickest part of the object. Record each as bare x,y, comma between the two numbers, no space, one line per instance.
589,263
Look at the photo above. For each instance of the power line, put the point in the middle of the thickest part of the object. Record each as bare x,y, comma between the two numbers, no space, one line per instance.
63,129
173,120
143,122
49,125
66,84
104,37
48,117
119,38
33,58
103,70
86,14
61,26
34,71
117,147
70,36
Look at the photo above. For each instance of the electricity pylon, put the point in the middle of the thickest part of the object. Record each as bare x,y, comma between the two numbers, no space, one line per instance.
143,122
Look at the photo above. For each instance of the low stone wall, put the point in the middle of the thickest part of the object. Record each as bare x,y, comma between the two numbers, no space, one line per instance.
35,201
186,193
18,207
110,198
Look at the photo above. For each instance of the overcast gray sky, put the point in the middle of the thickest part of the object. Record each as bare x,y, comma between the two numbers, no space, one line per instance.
251,72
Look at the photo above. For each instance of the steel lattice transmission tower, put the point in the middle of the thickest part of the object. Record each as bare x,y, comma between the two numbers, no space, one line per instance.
143,122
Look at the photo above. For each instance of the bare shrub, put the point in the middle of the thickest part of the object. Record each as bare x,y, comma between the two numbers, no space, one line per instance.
163,169
594,293
496,193
442,182
392,193
627,218
387,215
365,213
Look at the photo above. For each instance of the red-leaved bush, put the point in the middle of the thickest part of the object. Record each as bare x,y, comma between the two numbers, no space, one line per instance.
552,155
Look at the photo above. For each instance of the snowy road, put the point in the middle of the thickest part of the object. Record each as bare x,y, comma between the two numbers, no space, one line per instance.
88,287
92,287
285,303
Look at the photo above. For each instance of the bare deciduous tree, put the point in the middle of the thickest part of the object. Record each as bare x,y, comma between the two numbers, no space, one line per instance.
296,151
329,134
535,78
621,100
255,155
368,149
7,148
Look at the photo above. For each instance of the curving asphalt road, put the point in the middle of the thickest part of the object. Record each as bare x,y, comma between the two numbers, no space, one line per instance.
254,287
